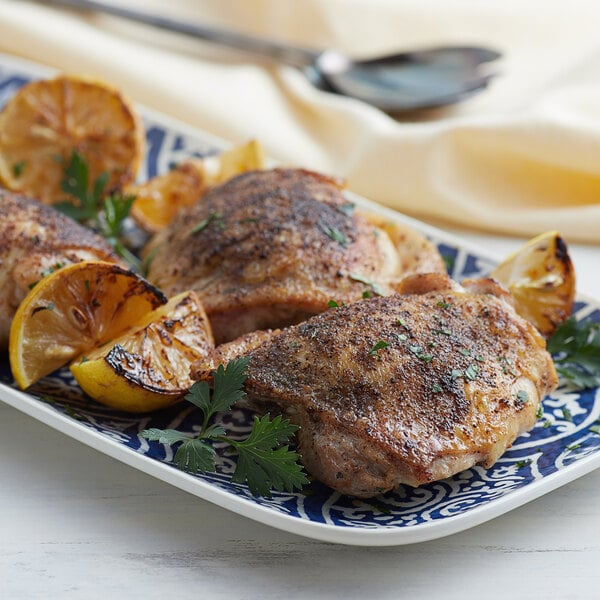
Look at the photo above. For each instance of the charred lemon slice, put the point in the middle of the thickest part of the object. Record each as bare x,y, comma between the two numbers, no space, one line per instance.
48,120
158,200
73,310
148,367
541,279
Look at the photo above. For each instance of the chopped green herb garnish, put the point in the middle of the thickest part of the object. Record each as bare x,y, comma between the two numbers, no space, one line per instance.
436,388
540,411
334,304
263,462
418,352
567,416
471,372
49,270
443,304
380,345
347,209
442,332
573,446
213,217
595,428
523,463
375,288
522,397
506,363
18,168
336,235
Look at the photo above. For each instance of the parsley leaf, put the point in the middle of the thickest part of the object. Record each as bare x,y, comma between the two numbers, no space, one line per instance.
76,184
106,215
165,436
195,455
111,218
116,210
199,395
575,348
263,462
228,384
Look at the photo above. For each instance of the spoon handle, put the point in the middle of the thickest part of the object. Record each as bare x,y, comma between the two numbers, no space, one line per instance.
293,55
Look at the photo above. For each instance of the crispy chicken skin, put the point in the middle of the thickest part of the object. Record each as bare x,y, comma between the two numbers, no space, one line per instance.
404,389
271,248
34,239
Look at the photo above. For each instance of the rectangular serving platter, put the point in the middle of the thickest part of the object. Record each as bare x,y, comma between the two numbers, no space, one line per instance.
560,448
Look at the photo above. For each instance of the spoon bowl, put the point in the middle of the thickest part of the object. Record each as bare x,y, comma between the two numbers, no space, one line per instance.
397,83
410,80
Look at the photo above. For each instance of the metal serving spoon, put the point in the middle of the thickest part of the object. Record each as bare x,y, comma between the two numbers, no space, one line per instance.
397,83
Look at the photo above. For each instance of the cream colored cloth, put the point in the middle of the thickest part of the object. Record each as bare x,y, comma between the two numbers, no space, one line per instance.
520,158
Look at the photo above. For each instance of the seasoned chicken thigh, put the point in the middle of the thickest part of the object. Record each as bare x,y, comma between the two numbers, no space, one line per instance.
271,248
36,239
404,389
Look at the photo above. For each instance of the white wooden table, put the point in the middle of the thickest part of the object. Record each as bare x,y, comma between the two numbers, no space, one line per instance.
77,524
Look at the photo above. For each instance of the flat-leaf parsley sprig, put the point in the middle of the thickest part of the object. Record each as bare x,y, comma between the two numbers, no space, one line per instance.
575,348
104,214
264,463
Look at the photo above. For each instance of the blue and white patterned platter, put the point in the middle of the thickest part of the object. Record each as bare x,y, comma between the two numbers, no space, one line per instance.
559,449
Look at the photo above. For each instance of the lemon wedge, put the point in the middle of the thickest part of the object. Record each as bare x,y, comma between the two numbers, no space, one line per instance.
158,200
148,366
72,310
541,279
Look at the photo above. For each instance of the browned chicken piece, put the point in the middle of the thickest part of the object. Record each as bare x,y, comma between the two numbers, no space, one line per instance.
271,248
35,240
405,389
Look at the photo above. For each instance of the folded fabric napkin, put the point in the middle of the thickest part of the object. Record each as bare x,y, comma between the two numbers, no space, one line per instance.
520,158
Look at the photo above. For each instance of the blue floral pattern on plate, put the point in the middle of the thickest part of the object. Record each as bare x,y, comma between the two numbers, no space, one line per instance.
560,440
